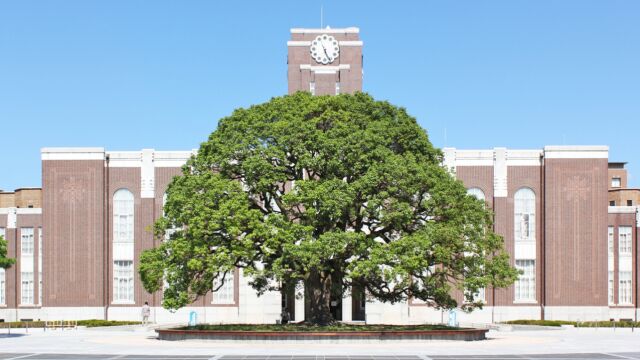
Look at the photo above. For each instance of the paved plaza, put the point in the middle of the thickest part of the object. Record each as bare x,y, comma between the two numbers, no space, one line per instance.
131,343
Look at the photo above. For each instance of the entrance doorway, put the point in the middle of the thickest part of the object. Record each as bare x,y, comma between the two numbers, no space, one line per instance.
358,303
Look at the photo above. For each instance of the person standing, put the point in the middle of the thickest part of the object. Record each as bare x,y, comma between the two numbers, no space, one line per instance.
146,312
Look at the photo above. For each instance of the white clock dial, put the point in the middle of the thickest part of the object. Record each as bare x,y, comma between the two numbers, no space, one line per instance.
324,49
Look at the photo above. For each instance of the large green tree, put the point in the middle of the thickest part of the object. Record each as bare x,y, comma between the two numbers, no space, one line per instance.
331,192
5,262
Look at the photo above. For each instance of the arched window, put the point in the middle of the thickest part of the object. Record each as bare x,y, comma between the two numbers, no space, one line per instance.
524,218
123,240
123,216
476,192
525,215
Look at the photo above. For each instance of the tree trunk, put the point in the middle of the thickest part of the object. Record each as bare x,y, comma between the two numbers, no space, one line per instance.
318,292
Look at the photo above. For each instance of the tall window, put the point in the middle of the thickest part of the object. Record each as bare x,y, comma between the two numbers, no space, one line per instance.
123,216
526,284
2,276
123,240
610,240
610,248
26,241
26,266
40,265
525,215
312,88
3,300
624,287
624,240
225,295
123,281
338,88
611,290
478,194
26,287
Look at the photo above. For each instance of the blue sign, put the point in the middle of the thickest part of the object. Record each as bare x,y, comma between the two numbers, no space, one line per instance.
193,318
453,318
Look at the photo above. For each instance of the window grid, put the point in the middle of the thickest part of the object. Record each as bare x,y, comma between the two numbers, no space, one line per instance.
525,215
525,287
225,295
26,288
615,182
26,241
40,265
2,287
610,240
611,288
123,216
624,288
624,240
123,281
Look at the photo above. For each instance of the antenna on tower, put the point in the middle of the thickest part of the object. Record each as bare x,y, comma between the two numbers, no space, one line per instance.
321,19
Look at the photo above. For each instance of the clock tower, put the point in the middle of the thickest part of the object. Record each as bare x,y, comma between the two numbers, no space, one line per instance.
325,61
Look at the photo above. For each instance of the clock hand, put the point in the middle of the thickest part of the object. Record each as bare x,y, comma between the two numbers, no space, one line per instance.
325,50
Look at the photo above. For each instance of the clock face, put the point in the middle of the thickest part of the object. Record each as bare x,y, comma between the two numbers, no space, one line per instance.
324,49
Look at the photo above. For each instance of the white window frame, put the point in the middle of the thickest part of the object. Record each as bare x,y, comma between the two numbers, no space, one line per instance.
26,241
610,240
625,288
26,288
123,289
226,294
123,216
3,287
524,215
525,286
625,237
123,244
312,87
611,288
40,265
616,182
337,87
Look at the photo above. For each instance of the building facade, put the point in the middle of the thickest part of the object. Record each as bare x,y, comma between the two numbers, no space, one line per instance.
78,241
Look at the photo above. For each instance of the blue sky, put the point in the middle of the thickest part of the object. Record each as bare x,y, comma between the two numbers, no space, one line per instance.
128,75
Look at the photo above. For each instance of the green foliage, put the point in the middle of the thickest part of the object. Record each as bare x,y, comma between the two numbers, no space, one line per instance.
5,262
337,327
559,323
329,191
98,323
555,323
87,323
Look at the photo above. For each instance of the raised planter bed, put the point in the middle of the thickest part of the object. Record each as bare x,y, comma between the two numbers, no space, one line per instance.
322,336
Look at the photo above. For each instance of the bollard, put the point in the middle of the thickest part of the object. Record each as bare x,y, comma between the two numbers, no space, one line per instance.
27,327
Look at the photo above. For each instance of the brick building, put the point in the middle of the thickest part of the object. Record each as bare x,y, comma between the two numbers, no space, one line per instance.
78,240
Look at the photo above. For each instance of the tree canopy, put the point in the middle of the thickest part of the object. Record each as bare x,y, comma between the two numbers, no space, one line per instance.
5,262
331,192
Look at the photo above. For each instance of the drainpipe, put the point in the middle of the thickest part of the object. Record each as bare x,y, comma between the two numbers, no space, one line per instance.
106,238
635,246
543,268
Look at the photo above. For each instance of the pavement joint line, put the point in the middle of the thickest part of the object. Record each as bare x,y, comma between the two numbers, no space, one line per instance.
117,357
23,356
215,357
424,357
619,356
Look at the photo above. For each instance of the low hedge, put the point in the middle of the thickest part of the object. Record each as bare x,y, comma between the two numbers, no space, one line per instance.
301,327
87,323
575,323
